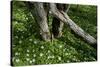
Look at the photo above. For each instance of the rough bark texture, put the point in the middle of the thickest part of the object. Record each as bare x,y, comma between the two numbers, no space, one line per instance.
65,18
41,18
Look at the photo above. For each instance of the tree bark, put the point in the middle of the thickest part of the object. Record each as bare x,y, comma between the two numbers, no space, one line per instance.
62,16
41,18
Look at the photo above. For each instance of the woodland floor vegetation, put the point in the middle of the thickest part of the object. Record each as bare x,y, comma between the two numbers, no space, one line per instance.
29,49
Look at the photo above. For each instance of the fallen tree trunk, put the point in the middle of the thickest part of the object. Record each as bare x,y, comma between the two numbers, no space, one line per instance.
62,16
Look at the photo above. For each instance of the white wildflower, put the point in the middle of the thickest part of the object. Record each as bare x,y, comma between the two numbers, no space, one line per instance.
35,42
34,55
68,61
13,58
53,56
33,60
16,37
42,47
27,59
19,29
13,45
16,53
66,54
20,42
33,50
17,60
19,49
93,59
74,59
50,12
30,61
41,54
59,58
26,18
64,50
27,54
85,58
48,57
16,22
49,63
60,46
48,51
28,51
30,39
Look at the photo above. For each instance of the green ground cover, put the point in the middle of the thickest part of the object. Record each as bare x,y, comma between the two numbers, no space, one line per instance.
29,49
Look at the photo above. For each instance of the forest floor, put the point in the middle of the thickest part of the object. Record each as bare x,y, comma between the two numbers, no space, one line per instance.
29,49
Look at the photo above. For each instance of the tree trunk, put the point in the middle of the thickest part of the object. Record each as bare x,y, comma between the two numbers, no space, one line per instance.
57,25
62,16
41,18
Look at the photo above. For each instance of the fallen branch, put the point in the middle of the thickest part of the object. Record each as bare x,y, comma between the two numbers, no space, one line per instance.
62,16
